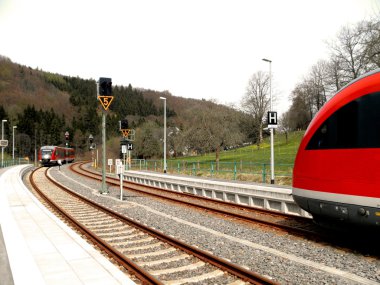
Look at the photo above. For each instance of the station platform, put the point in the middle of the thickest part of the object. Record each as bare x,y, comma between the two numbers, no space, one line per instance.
37,248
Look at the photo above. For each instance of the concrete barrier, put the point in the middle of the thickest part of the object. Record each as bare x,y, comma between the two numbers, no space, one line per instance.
264,196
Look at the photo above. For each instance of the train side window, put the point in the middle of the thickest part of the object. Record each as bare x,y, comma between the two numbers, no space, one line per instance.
369,121
355,125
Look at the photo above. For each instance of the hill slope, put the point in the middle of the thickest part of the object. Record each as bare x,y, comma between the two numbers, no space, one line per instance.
21,86
41,103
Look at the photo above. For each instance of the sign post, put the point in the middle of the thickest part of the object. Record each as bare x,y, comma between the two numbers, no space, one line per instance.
110,163
119,171
272,124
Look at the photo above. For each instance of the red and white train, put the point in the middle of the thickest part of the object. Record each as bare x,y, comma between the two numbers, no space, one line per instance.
49,155
337,168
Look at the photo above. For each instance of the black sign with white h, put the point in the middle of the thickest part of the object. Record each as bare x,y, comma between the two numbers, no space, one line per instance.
272,119
129,146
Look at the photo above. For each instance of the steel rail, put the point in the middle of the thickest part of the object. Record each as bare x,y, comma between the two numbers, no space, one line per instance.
226,212
342,239
136,270
221,263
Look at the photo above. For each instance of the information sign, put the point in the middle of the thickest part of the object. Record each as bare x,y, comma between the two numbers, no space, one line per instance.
3,143
272,120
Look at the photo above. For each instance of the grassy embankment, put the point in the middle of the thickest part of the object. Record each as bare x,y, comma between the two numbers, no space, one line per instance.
248,163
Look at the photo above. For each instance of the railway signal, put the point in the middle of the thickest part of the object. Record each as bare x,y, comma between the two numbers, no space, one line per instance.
123,124
67,134
105,92
105,86
105,97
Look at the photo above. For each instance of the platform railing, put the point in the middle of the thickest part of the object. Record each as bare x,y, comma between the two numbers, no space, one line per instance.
243,171
12,162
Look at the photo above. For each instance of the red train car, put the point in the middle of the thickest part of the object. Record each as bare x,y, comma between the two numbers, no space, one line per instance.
49,155
337,168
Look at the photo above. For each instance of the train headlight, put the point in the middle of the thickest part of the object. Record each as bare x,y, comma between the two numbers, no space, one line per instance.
363,212
46,156
344,210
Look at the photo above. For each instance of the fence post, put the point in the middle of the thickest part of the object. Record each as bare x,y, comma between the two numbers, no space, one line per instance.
235,170
193,170
179,167
212,169
264,172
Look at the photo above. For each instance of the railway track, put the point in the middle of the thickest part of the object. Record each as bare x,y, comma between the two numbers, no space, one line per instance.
289,223
299,226
152,256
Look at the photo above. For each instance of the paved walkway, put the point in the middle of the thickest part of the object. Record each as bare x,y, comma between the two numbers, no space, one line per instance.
40,248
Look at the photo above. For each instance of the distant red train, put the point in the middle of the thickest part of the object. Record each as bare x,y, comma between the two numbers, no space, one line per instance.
49,155
337,168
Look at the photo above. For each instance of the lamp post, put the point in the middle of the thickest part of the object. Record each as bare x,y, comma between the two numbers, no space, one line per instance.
163,98
2,138
13,143
271,129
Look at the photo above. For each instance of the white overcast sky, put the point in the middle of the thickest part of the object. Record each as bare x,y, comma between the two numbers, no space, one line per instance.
192,48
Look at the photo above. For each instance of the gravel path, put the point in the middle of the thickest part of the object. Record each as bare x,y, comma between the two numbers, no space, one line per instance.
284,258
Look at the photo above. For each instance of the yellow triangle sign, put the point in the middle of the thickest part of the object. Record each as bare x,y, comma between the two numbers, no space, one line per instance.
106,101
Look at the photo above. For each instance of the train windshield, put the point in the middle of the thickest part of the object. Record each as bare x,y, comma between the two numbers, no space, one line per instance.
45,152
355,125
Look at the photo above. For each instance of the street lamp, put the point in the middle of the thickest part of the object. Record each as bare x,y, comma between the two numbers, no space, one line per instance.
2,138
271,129
163,98
13,143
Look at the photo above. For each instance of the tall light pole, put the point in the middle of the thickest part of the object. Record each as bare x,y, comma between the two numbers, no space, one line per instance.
163,98
2,138
271,129
13,142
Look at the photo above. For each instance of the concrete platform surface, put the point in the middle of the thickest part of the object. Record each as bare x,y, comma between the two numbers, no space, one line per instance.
40,248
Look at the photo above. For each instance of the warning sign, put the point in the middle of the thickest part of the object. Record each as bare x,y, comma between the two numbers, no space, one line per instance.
125,132
106,101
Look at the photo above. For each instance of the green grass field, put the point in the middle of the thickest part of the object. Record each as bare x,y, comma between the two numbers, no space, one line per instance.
248,163
284,152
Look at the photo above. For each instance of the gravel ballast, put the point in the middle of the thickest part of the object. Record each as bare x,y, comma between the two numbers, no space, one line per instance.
284,258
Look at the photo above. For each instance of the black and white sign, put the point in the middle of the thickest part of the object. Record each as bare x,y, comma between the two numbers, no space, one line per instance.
3,143
272,119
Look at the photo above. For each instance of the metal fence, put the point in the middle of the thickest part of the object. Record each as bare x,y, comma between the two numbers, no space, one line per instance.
12,162
244,171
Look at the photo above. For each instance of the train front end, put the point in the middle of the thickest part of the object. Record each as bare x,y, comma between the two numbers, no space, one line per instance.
336,175
46,155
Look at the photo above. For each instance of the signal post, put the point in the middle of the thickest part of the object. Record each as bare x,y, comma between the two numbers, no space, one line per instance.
129,137
104,95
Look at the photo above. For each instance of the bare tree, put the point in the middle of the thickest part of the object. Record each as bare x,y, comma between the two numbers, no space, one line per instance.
256,101
319,84
211,128
351,49
355,51
334,74
371,29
